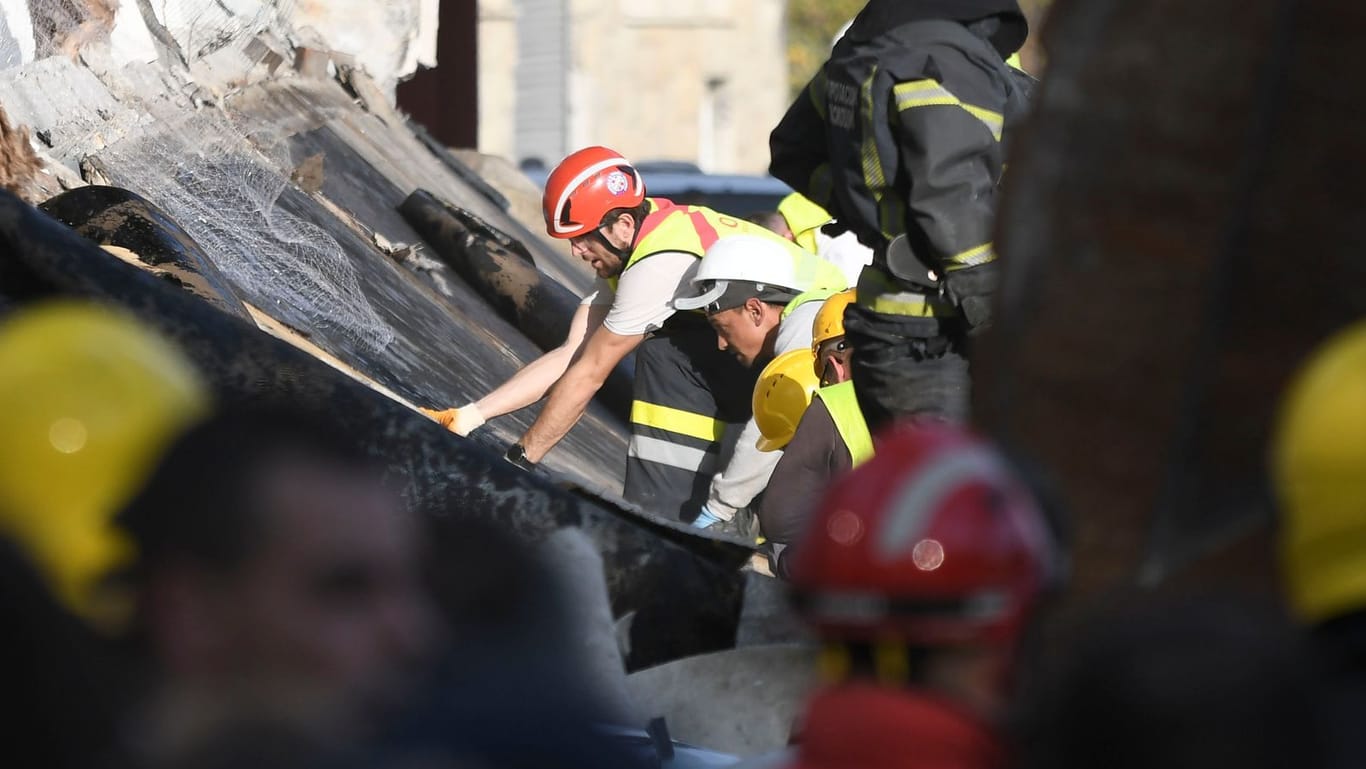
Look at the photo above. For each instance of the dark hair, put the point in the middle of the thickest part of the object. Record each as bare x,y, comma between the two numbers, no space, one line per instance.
65,689
200,502
769,220
638,213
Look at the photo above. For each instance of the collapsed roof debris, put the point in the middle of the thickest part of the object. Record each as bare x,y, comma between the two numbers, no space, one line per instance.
267,191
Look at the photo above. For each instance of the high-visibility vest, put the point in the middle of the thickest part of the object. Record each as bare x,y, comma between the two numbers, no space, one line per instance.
843,406
823,277
693,229
688,229
803,218
814,295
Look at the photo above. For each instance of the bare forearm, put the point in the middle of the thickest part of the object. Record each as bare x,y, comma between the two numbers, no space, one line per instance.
535,380
528,385
568,400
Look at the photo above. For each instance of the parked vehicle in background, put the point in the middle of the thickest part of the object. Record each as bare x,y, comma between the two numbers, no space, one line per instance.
685,184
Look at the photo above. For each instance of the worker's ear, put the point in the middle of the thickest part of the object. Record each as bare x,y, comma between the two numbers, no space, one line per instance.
754,310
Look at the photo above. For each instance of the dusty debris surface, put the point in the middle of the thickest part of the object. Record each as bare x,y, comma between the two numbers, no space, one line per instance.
250,211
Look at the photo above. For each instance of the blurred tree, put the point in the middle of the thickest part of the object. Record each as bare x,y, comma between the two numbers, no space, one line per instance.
812,24
811,28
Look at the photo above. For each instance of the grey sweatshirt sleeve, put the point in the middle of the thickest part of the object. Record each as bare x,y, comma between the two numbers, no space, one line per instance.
747,473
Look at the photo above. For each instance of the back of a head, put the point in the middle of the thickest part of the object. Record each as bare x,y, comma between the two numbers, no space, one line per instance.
934,542
772,221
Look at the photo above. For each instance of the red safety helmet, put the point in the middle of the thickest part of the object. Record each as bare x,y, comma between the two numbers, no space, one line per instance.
584,187
932,542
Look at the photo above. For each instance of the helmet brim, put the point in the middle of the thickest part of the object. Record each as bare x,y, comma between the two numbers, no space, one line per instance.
768,444
717,290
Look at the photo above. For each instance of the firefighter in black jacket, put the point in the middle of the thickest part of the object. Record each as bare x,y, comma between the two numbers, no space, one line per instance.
899,137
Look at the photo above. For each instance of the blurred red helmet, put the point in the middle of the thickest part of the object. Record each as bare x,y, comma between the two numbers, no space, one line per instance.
932,542
584,187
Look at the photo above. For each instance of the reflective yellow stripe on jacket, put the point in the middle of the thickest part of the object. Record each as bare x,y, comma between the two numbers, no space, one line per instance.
929,93
879,294
840,401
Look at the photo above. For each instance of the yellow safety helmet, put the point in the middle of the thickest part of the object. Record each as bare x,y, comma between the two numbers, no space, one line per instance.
89,398
803,217
1319,468
781,397
829,321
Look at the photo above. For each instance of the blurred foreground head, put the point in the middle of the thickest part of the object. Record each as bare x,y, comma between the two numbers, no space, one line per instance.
1319,465
929,552
277,572
89,398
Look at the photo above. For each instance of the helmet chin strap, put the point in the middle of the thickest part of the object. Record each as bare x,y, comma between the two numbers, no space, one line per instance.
620,253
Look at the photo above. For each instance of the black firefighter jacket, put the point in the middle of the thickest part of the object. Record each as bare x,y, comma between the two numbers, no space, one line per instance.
901,131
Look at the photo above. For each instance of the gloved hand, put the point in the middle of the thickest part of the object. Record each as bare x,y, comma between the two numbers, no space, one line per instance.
706,518
974,291
461,421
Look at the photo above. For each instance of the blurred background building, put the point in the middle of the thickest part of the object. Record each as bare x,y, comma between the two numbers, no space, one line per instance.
701,82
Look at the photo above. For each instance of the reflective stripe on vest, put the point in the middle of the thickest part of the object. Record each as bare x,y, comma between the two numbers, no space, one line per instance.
840,401
674,420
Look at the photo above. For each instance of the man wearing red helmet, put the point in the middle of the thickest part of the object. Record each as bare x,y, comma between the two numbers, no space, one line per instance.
687,391
919,571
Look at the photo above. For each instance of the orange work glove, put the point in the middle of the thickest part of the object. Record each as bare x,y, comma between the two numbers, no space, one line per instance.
461,421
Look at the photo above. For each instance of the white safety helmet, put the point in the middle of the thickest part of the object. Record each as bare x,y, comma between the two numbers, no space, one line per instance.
762,266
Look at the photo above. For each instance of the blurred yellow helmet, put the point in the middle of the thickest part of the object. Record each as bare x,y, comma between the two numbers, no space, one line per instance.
89,398
803,217
781,397
829,322
1319,468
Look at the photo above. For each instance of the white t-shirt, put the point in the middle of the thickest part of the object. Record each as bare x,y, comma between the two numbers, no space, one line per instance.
645,293
844,251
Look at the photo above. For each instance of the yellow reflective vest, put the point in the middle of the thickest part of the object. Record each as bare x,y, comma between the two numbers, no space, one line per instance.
803,217
839,400
689,229
693,229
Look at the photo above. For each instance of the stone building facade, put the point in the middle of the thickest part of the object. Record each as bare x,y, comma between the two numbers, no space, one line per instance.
701,81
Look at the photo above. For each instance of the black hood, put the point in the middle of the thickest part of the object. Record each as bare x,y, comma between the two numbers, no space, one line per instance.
1006,31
